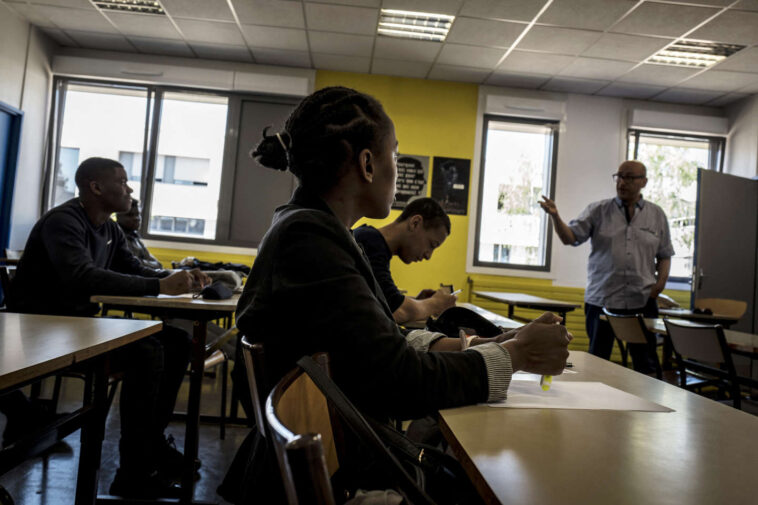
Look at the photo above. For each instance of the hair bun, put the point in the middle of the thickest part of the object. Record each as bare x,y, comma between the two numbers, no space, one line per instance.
271,152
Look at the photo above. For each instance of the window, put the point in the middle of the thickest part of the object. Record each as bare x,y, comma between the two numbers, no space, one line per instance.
672,161
182,149
518,166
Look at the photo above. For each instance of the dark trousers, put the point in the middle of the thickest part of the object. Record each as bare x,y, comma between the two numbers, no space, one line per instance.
601,335
153,371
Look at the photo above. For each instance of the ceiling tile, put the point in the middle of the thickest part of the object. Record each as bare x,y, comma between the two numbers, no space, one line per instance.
458,74
400,68
748,5
531,81
270,13
77,19
743,61
165,47
211,32
144,26
340,43
31,14
338,18
282,58
732,27
670,20
593,68
199,9
341,63
273,37
221,52
104,41
470,56
558,40
726,99
626,90
392,48
588,14
74,4
658,75
718,80
484,32
715,3
750,89
534,63
572,85
516,10
60,37
690,96
355,3
626,47
449,7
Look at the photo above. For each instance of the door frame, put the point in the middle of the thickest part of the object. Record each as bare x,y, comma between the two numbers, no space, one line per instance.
9,177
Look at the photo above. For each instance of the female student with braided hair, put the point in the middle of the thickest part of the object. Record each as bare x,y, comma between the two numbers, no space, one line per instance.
311,289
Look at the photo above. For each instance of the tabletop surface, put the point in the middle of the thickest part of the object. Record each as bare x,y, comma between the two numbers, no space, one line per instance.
739,339
521,298
492,317
688,314
702,453
34,345
170,302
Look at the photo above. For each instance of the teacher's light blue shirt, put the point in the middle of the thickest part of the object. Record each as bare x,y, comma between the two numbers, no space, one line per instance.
621,266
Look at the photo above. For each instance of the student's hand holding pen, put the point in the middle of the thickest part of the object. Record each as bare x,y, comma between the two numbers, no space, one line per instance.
199,279
539,348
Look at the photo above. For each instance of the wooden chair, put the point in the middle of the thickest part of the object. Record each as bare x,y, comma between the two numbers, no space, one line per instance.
722,306
215,356
703,349
297,414
631,329
255,370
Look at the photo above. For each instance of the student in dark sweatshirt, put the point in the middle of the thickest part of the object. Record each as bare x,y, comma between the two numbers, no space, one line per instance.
75,251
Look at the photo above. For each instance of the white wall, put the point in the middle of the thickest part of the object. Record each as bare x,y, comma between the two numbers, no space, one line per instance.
25,80
742,145
591,145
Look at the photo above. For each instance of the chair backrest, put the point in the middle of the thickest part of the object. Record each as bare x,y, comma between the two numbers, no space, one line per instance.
704,343
722,306
298,416
629,328
255,369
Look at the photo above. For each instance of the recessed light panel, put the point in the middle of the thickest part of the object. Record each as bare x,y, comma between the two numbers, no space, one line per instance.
414,25
138,6
693,54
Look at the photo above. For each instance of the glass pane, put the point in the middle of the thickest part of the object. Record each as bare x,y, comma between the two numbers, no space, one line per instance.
672,164
105,121
188,168
517,165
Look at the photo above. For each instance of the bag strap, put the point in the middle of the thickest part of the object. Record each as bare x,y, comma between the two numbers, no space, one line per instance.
358,424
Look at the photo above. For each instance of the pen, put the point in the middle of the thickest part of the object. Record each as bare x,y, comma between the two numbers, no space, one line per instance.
545,382
456,292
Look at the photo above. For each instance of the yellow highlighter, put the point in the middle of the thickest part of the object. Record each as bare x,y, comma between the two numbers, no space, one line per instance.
545,382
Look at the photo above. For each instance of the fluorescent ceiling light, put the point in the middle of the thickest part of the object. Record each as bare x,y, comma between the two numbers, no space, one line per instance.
414,25
693,54
137,6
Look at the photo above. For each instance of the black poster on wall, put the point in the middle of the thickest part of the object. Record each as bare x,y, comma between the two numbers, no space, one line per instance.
450,179
412,174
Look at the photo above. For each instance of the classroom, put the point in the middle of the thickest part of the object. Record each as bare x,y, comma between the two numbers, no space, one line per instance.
529,128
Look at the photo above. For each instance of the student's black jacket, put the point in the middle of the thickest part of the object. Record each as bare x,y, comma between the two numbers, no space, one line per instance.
67,260
311,289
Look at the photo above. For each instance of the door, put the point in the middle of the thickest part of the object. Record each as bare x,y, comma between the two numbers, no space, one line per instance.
10,139
725,241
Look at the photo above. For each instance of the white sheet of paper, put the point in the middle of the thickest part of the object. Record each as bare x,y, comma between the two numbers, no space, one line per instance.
526,376
526,394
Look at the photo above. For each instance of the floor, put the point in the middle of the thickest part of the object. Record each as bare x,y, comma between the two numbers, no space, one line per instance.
51,479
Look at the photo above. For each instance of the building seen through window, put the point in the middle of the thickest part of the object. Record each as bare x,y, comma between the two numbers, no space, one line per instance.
517,168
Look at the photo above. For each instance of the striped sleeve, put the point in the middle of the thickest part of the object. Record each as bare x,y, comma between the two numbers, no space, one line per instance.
499,369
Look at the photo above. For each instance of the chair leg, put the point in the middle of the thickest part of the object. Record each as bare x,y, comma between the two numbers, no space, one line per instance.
56,394
111,395
224,378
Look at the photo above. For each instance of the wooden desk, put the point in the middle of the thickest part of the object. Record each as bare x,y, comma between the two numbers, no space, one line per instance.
528,302
200,311
35,346
490,316
700,454
725,321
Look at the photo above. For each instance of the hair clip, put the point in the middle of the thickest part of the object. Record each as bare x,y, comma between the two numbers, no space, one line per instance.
284,146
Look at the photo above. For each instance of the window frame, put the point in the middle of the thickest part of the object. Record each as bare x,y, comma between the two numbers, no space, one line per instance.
555,127
155,93
722,140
